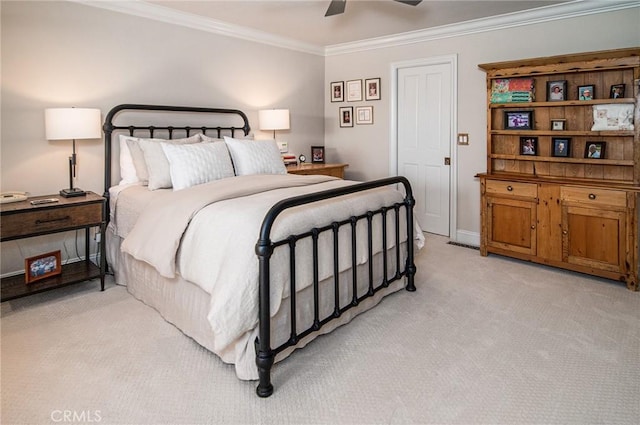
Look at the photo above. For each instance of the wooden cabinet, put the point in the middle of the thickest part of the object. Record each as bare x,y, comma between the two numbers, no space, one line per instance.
24,220
335,170
564,209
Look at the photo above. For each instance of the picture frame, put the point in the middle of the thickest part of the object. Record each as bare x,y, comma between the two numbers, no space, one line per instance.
587,92
528,146
556,90
364,115
595,150
337,91
346,116
518,120
354,91
558,124
512,90
317,154
42,266
560,147
616,91
372,89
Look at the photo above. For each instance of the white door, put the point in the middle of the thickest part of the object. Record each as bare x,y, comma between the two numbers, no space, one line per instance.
424,135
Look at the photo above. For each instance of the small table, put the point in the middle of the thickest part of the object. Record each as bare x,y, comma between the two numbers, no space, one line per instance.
24,220
335,170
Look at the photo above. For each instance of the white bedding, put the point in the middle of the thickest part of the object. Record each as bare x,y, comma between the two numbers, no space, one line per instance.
208,233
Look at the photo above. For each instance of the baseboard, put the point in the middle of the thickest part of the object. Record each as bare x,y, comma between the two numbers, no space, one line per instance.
465,237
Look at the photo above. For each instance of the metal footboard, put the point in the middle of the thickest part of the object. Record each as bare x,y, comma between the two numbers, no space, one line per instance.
265,354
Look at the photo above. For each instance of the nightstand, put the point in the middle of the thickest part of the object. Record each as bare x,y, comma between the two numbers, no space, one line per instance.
23,220
335,170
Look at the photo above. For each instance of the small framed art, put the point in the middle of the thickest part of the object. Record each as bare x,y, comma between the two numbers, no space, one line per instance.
560,146
518,120
42,266
364,115
372,89
354,91
528,146
317,154
346,116
337,91
558,124
617,91
556,90
586,92
594,150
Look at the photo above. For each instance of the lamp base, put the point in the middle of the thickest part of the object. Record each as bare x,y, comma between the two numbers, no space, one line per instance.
71,193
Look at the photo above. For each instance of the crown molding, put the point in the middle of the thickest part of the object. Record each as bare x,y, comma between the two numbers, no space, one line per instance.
175,17
566,10
510,20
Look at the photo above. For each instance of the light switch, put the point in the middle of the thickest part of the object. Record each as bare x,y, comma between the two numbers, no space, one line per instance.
463,138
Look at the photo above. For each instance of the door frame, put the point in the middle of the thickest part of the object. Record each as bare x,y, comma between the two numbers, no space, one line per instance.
451,60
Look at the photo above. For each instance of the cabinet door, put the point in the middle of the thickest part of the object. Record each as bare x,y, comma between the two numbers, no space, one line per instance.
511,224
594,237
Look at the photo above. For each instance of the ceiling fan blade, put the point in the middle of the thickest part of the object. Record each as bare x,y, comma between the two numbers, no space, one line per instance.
410,2
336,7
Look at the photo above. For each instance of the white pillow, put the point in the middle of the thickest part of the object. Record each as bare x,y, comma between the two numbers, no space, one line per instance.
255,156
133,167
199,163
156,160
614,116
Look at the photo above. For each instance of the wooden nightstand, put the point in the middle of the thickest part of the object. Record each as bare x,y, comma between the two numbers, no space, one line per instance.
335,170
23,220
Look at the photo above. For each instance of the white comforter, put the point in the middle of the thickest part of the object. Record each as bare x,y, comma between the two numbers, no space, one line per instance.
208,233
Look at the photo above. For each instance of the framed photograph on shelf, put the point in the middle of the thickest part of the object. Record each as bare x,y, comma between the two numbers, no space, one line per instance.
337,91
560,146
558,124
594,150
617,91
518,120
556,90
587,92
512,90
354,91
364,115
42,266
346,116
528,146
372,89
317,154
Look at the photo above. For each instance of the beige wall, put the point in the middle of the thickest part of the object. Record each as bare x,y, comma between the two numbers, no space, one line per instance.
366,148
61,54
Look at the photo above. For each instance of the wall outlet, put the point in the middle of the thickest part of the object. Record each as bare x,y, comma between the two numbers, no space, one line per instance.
97,237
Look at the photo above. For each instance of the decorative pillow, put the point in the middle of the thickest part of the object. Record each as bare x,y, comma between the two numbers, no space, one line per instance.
199,163
133,167
255,156
156,160
615,116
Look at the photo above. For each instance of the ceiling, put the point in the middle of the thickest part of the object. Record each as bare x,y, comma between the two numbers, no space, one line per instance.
304,20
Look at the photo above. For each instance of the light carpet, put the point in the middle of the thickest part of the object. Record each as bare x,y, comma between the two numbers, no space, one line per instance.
484,340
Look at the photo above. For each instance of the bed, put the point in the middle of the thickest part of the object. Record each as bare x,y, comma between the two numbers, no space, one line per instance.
206,226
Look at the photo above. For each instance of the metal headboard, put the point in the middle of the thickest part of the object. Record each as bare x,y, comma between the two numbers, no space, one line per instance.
109,127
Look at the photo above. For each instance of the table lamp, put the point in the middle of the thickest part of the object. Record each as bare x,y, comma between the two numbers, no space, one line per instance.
274,119
72,124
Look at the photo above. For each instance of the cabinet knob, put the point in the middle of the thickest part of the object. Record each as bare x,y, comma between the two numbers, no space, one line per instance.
592,196
564,232
533,227
510,188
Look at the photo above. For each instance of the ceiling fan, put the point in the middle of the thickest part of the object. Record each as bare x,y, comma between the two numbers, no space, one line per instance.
336,7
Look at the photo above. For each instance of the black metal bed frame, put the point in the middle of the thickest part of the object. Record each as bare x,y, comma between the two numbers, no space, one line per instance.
265,353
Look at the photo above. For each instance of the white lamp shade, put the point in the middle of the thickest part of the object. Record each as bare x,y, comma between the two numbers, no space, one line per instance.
274,119
72,123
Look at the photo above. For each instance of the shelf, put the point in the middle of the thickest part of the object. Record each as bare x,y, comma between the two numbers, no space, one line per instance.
525,105
15,287
586,133
620,162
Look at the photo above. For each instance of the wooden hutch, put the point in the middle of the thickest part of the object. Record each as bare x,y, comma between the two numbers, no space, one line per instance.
544,198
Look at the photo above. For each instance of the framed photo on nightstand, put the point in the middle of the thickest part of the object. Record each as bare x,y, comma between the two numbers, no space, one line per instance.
317,154
42,266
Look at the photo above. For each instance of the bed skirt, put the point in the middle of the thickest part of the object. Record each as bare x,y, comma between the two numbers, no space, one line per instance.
186,305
